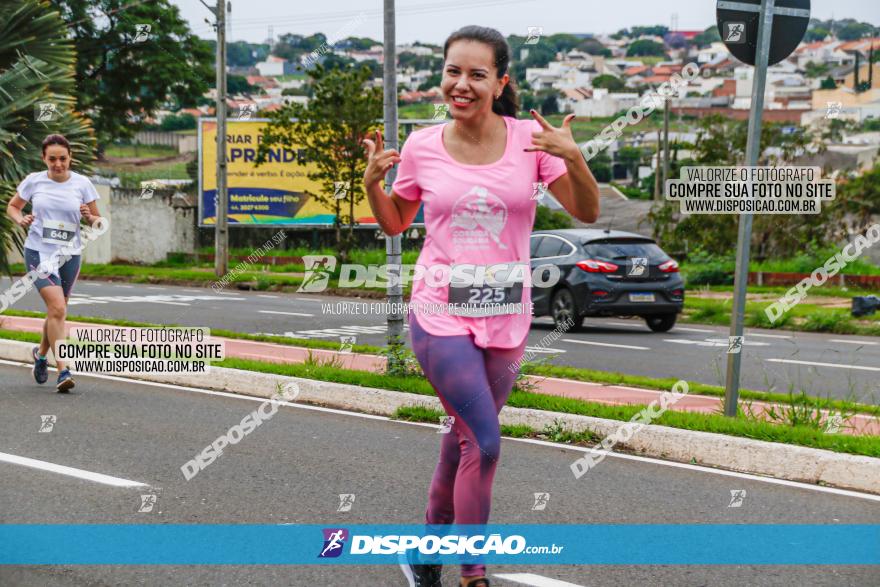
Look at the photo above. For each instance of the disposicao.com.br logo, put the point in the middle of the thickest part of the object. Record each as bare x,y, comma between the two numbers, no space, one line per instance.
429,544
319,269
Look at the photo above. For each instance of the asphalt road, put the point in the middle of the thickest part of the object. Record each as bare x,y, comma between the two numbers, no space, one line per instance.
845,367
293,467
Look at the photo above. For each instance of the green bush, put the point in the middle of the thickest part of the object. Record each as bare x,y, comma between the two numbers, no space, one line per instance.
836,322
711,274
547,219
758,319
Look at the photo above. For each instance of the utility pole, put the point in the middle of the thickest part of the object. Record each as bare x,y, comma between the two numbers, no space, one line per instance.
666,140
858,80
393,254
221,230
658,180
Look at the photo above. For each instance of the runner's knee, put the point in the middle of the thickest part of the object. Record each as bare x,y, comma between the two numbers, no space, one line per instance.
56,311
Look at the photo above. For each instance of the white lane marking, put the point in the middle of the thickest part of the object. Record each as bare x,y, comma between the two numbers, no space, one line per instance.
154,287
713,342
69,471
548,444
306,300
537,349
267,296
683,329
608,344
126,286
534,580
619,324
865,342
193,290
748,334
285,313
816,364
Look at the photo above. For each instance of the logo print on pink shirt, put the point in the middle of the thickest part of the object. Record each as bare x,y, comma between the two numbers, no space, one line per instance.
478,217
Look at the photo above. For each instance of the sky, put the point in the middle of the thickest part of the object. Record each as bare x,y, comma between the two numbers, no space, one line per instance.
431,21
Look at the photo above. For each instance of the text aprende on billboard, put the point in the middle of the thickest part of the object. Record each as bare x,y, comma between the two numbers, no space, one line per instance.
277,193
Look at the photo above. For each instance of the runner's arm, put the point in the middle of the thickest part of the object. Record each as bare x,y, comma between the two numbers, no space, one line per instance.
93,215
394,214
14,211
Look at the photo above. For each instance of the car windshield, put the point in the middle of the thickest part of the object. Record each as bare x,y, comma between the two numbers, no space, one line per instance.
624,249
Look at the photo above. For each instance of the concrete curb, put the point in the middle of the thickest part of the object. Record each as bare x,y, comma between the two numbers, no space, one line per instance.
781,461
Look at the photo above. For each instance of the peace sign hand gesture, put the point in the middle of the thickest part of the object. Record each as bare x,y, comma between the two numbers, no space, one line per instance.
558,142
379,161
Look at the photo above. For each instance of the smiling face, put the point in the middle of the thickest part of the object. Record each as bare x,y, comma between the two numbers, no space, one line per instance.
470,79
57,160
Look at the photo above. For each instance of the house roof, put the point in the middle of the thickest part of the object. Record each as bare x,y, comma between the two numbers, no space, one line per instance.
635,70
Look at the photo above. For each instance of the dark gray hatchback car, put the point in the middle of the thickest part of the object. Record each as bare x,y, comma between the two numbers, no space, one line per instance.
606,273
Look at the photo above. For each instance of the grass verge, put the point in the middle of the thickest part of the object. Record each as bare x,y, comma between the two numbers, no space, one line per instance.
317,370
541,370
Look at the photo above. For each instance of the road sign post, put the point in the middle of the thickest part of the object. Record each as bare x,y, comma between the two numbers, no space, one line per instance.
759,33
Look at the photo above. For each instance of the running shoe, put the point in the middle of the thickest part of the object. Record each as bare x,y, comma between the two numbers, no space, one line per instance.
420,575
481,582
41,367
65,381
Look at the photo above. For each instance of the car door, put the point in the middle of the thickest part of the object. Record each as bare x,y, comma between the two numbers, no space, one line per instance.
540,297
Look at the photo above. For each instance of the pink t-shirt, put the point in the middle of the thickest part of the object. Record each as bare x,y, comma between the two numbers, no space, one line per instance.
476,214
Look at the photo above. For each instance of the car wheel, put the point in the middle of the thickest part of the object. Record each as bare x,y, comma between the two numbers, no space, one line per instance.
661,322
564,310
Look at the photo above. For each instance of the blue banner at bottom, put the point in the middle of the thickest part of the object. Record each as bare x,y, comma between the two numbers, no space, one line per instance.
510,544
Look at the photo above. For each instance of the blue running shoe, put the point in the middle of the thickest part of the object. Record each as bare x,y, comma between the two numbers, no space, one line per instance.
419,575
41,367
65,381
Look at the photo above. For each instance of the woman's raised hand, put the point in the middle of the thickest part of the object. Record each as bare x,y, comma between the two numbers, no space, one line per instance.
26,220
379,161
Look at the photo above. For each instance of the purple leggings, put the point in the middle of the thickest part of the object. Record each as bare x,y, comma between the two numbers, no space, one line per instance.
473,384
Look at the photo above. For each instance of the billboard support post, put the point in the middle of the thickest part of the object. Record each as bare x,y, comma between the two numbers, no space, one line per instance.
393,253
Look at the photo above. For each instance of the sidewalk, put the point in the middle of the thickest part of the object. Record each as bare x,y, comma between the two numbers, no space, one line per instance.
595,392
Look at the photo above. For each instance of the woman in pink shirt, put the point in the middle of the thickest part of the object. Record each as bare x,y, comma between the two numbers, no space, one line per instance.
475,176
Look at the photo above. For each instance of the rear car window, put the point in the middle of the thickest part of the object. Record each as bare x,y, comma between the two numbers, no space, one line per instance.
549,247
622,249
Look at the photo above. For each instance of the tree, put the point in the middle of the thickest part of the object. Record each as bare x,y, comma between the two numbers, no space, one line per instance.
549,104
183,121
722,142
816,34
609,82
432,82
238,84
645,48
244,54
816,69
593,47
37,62
707,37
853,30
657,30
331,129
291,47
631,158
124,73
600,165
828,84
860,198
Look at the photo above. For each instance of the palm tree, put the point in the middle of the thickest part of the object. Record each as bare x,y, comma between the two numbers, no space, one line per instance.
37,63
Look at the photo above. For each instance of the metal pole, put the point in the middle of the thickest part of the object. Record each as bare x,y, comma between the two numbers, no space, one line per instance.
392,243
221,231
753,150
658,175
666,142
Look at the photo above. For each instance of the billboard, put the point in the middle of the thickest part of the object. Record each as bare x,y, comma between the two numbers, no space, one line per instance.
274,194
